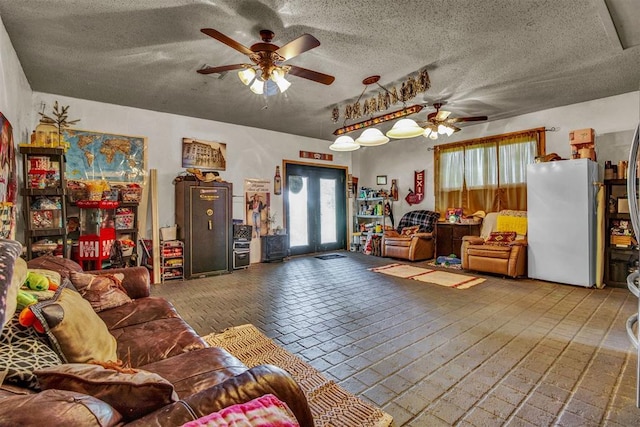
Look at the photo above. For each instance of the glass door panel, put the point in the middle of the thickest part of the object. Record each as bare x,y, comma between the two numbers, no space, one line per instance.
315,208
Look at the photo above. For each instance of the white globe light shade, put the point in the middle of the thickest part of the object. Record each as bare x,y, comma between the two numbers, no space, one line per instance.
344,143
405,128
372,137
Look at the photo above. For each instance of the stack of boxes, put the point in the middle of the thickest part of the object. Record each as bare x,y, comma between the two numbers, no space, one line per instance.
582,144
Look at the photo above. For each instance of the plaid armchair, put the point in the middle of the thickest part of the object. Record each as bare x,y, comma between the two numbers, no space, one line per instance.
414,239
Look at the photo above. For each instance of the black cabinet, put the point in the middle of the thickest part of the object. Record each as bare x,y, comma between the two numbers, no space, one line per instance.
274,247
203,216
449,237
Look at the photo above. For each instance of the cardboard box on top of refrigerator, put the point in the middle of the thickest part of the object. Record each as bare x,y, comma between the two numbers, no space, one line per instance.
582,136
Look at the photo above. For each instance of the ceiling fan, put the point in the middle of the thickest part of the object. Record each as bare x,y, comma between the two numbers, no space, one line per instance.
439,122
266,74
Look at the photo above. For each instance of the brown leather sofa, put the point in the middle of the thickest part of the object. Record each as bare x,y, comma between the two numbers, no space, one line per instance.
507,258
152,336
412,245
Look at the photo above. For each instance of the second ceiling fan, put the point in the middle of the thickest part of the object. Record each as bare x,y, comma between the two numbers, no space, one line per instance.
266,74
439,122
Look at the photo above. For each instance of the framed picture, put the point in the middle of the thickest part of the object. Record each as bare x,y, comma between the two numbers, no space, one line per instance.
200,154
381,179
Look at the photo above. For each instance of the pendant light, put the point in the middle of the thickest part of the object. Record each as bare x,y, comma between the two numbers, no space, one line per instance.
344,143
405,128
371,137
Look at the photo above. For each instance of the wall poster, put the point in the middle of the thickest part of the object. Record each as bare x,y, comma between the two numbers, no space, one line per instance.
96,156
257,202
8,180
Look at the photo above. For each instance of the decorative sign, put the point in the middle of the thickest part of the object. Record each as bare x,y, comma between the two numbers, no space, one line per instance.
379,119
316,156
415,196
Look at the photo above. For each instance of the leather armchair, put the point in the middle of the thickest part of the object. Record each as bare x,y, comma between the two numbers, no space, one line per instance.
507,258
417,246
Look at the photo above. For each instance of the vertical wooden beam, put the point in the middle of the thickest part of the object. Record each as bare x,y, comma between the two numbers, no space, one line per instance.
155,230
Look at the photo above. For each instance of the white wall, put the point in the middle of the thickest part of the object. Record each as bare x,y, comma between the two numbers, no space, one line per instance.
400,158
251,152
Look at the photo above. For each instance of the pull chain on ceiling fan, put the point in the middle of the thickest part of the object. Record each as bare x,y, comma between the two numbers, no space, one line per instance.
267,73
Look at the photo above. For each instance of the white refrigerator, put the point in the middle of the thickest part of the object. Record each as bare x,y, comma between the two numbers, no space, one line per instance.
561,218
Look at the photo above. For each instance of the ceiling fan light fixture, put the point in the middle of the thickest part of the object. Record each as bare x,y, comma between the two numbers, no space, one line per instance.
247,75
371,137
344,143
405,128
445,130
257,86
278,77
426,132
433,135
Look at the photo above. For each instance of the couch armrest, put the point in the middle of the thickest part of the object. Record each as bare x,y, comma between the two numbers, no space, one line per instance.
519,242
423,235
473,240
253,383
136,280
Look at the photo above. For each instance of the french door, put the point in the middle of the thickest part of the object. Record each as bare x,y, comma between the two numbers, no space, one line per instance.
315,208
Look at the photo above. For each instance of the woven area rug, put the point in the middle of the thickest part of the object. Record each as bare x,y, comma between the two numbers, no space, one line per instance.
437,277
331,405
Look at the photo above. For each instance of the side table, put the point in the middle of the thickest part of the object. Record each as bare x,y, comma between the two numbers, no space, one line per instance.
449,237
274,247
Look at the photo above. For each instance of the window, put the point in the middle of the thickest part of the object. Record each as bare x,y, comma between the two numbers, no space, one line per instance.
486,174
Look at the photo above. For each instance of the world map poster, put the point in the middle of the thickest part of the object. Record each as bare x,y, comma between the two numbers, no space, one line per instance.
102,156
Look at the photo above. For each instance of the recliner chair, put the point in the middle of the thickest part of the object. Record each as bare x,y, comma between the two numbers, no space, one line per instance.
412,245
501,247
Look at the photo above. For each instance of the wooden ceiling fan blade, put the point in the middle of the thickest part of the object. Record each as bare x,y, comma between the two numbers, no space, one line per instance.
311,75
222,68
469,119
297,46
442,115
226,40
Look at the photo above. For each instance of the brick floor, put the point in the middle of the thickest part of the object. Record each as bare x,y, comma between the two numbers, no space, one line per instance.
506,352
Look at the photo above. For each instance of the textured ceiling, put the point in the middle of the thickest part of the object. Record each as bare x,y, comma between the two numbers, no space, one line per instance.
498,58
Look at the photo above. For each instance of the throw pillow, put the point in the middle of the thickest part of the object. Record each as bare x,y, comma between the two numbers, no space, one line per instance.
133,393
500,238
9,252
74,329
57,407
23,351
264,411
409,231
102,291
512,223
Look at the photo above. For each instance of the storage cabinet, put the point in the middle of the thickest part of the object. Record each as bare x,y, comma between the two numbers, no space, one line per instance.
43,194
204,219
172,260
620,254
274,247
449,237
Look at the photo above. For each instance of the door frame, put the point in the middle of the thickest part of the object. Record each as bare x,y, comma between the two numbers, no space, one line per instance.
285,199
